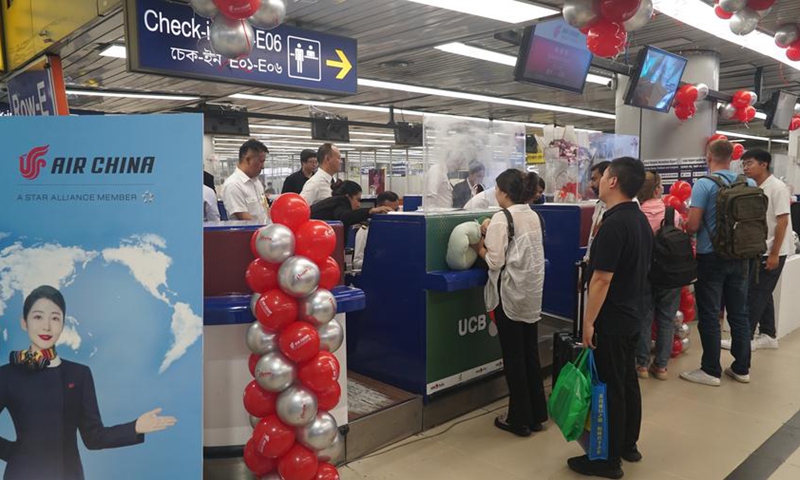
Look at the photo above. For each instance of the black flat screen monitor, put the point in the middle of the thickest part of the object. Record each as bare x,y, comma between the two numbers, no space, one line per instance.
330,129
780,110
655,80
553,54
408,134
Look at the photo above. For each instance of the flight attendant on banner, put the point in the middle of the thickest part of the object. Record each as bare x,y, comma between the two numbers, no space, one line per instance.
50,400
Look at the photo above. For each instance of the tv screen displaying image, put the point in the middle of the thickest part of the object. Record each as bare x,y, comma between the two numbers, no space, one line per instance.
553,54
780,110
656,79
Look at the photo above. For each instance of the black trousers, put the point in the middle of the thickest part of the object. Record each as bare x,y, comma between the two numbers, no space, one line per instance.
520,344
759,297
615,358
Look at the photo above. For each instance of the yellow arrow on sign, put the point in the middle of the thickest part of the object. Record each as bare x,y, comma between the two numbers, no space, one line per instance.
344,65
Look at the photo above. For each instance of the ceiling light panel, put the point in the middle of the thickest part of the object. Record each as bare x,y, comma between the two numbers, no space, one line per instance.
115,51
509,11
149,96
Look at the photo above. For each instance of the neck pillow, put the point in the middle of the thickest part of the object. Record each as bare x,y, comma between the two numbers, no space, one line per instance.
459,254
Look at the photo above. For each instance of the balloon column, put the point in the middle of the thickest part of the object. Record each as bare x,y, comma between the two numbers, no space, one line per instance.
743,15
686,97
292,343
607,23
231,32
685,315
787,36
741,107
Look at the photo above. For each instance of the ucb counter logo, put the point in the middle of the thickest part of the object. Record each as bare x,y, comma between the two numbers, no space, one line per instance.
32,163
475,324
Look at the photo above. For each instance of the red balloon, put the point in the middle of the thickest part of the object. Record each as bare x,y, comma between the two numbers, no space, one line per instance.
687,94
275,310
793,52
795,123
741,99
251,363
330,274
674,202
299,463
256,463
290,209
722,13
760,4
689,314
272,437
320,372
257,401
327,400
677,349
238,9
715,137
685,111
746,114
326,471
619,10
299,342
316,240
606,38
738,151
681,189
261,275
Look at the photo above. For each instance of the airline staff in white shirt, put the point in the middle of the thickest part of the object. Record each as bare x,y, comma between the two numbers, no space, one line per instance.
242,192
318,187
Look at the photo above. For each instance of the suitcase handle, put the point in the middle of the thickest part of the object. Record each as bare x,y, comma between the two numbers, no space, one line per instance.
580,282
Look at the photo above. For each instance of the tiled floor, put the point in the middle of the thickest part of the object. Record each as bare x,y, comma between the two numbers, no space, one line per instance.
689,431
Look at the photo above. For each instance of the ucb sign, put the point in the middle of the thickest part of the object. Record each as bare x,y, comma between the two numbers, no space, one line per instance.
472,325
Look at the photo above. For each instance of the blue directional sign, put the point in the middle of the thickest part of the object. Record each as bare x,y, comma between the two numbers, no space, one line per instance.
169,38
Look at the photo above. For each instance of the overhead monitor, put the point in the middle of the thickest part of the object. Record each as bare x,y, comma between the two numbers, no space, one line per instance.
553,54
408,134
221,119
330,128
655,80
780,110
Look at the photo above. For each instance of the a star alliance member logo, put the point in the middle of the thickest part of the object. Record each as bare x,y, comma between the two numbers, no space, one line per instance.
31,164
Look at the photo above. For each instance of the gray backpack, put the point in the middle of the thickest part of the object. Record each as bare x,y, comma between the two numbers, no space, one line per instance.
741,219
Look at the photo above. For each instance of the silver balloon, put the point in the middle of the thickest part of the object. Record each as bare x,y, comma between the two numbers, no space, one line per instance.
298,276
334,452
205,8
318,308
679,318
732,6
259,341
744,21
797,109
319,434
331,336
641,17
270,14
753,98
702,91
682,331
231,38
275,373
580,13
685,344
253,301
254,421
727,111
275,243
786,35
763,13
296,406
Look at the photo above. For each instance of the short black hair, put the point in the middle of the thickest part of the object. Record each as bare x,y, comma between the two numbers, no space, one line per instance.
629,173
307,154
253,145
46,292
386,197
759,155
324,150
475,167
348,187
542,185
600,167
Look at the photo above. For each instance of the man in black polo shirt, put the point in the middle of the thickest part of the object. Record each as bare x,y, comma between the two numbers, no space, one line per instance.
618,268
308,165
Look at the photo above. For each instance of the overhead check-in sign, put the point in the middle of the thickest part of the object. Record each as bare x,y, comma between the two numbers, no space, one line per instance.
169,38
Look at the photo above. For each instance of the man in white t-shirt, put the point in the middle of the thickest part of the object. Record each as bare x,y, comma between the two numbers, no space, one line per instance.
318,187
242,192
779,245
599,208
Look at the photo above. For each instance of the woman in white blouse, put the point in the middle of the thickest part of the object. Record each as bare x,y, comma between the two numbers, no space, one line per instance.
515,256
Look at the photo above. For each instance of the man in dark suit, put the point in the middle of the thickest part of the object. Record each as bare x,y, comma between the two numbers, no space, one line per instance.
308,165
473,185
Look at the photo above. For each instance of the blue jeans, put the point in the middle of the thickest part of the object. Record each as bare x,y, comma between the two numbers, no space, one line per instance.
663,305
717,279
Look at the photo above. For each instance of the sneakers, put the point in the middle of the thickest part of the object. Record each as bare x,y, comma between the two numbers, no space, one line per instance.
725,344
641,372
701,377
764,342
596,468
737,377
659,373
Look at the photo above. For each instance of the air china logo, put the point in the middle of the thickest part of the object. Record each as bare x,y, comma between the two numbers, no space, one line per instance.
31,164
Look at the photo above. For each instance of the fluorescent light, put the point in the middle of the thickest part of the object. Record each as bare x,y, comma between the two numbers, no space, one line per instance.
761,115
701,16
509,11
150,96
116,51
277,127
312,103
501,58
481,98
751,137
376,134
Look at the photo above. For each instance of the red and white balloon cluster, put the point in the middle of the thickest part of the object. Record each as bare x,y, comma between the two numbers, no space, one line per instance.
292,343
788,36
686,97
231,33
741,107
606,23
744,15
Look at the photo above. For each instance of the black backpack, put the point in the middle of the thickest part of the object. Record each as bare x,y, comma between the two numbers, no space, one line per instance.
673,264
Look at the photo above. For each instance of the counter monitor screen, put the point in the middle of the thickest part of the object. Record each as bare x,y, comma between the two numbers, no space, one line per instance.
780,110
656,80
553,54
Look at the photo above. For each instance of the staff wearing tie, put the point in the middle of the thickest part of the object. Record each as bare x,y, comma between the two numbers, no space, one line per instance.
471,186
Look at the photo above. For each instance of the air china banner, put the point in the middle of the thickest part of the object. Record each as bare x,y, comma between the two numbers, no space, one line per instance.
101,297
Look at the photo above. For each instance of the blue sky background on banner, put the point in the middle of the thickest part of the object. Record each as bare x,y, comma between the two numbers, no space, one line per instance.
130,271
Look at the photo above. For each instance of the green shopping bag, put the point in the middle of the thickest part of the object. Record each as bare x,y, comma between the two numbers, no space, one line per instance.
571,398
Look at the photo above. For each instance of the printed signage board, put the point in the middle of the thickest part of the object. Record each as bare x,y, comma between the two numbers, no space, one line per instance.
38,89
